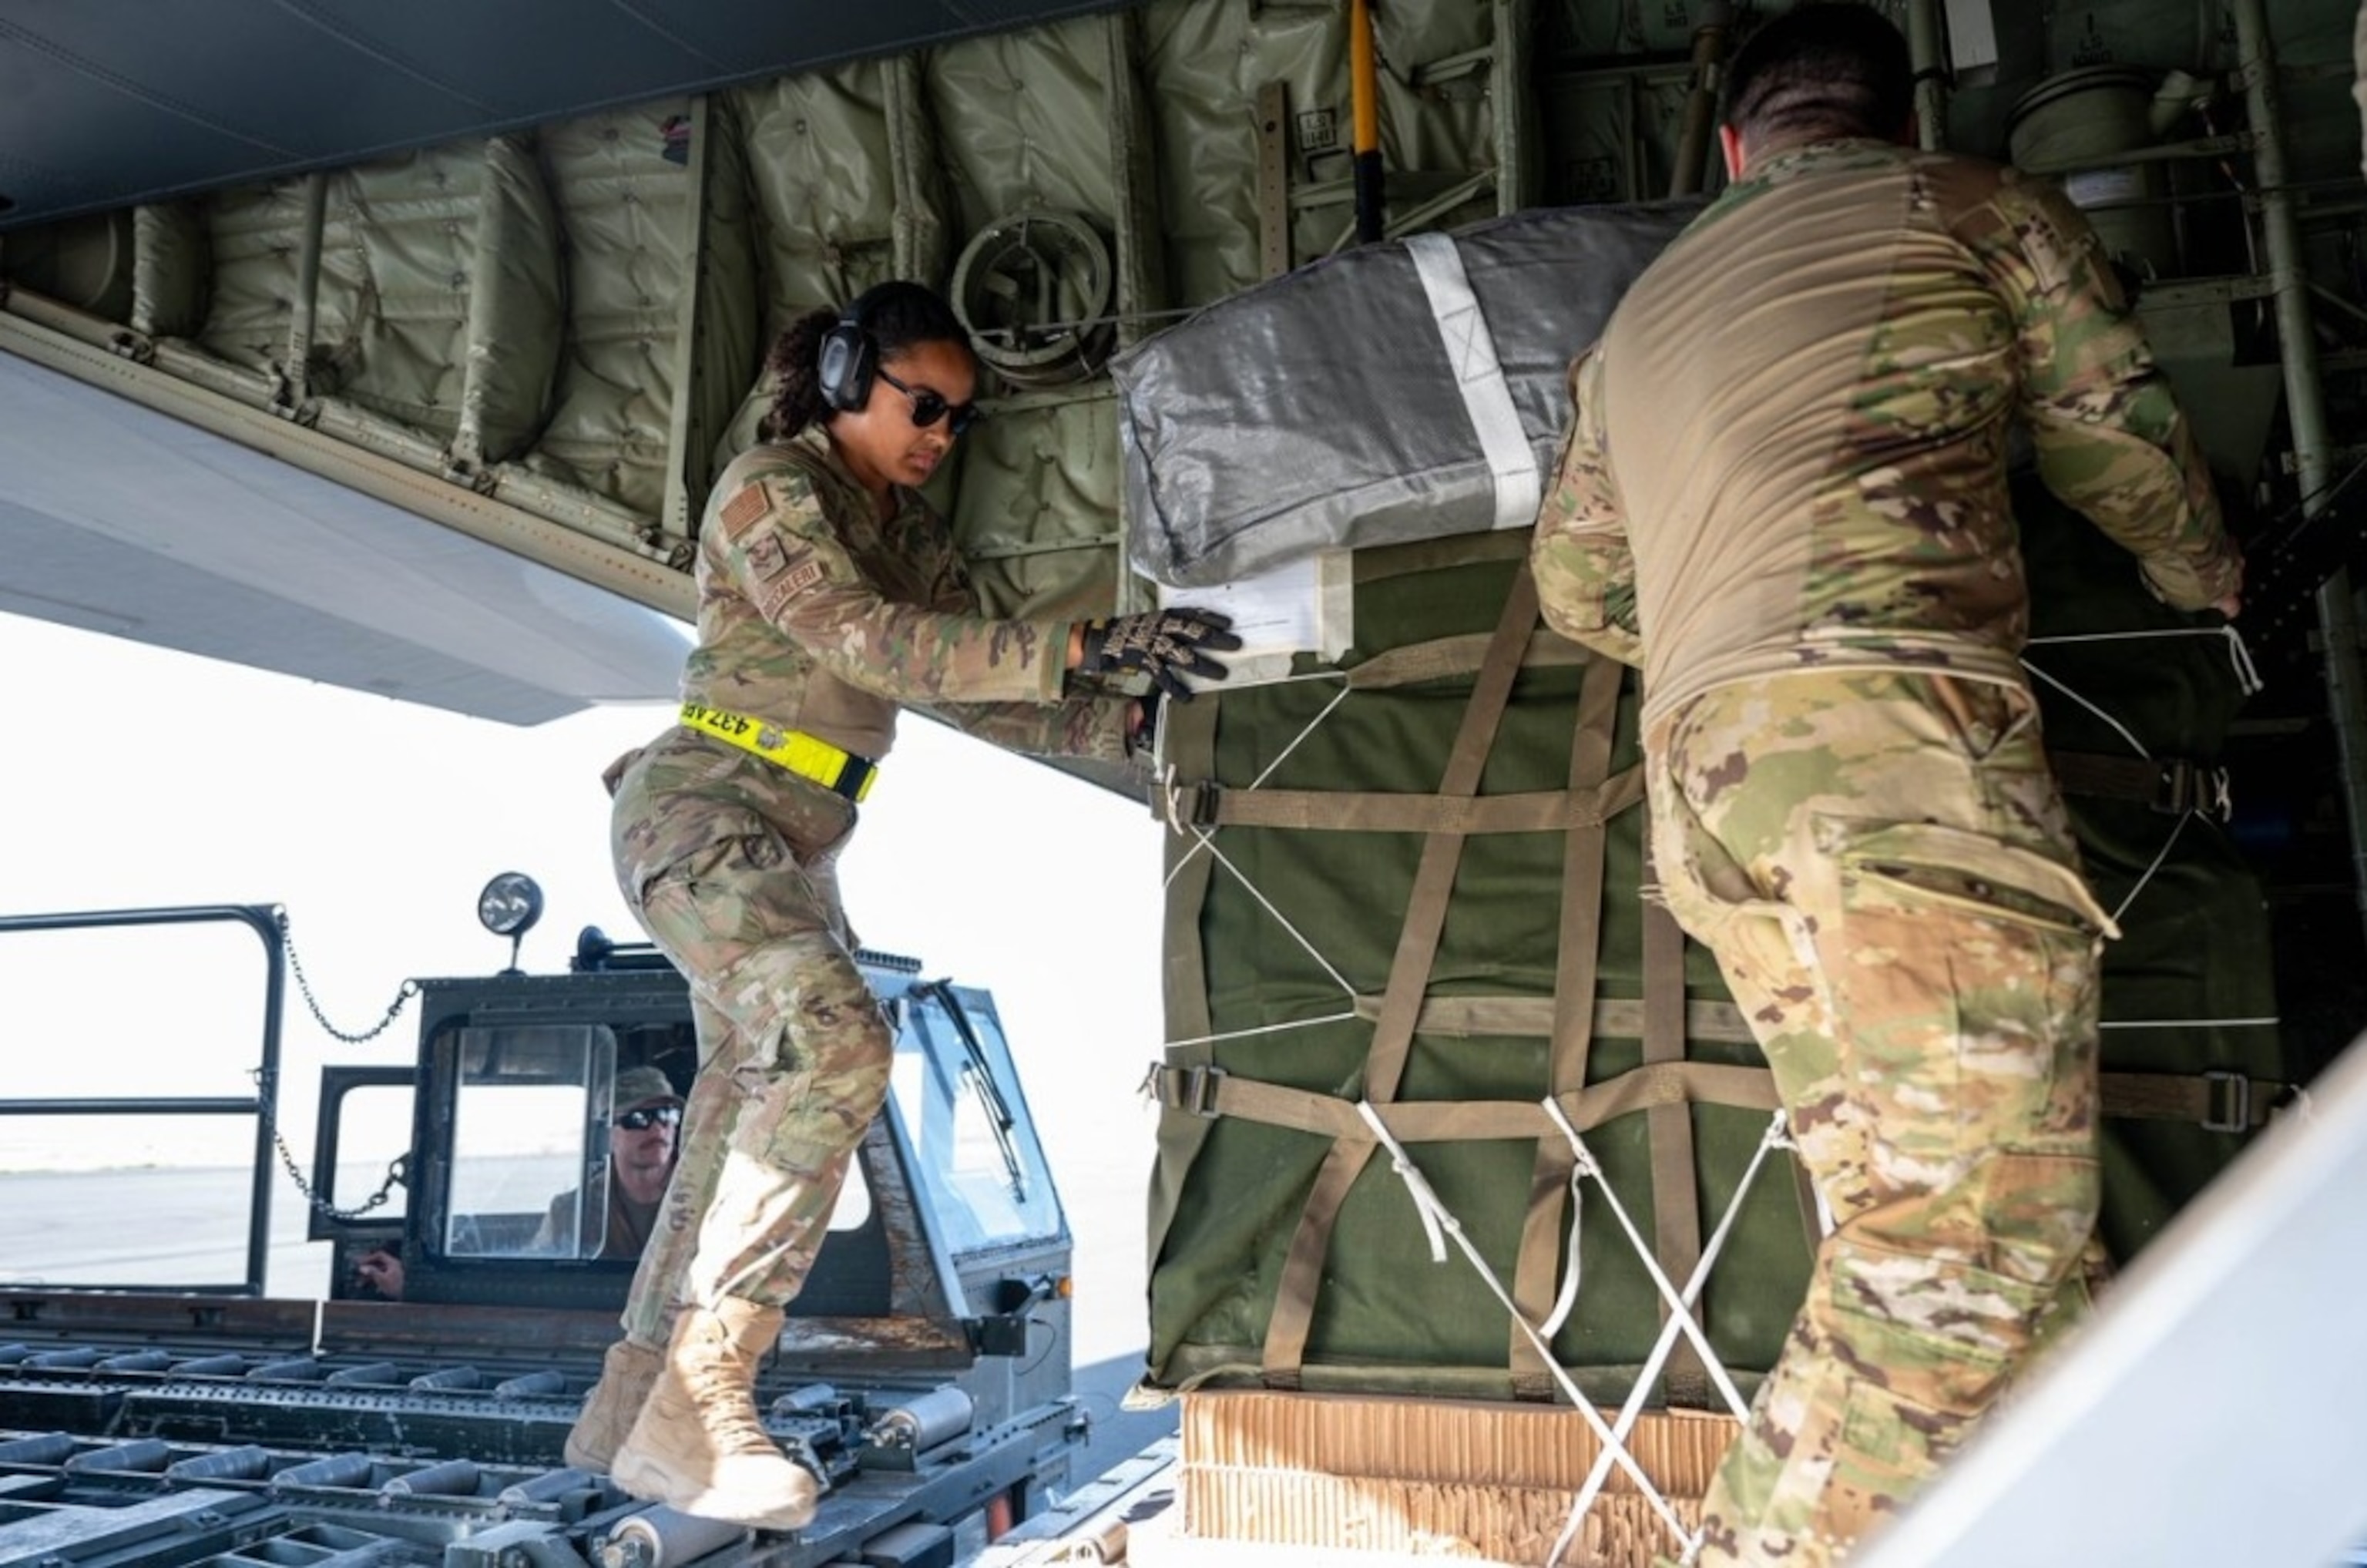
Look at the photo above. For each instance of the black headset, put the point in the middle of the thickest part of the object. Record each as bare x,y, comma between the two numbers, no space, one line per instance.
848,358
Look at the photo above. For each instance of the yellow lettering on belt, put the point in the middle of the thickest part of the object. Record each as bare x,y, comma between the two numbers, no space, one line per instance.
808,757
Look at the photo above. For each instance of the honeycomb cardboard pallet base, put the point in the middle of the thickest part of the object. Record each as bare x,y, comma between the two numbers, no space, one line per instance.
1364,1479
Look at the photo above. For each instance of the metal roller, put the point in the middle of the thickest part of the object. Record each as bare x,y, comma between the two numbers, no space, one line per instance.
812,1399
923,1422
296,1369
453,1478
547,1487
47,1448
661,1538
372,1374
337,1470
249,1463
143,1454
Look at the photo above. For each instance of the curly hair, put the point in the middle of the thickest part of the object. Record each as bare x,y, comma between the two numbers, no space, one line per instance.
897,314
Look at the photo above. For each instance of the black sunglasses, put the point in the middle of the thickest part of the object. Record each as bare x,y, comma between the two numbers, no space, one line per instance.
649,1115
928,407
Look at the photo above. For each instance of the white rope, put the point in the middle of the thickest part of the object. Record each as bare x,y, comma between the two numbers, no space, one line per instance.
2134,744
1263,1029
2243,665
1774,1137
1337,698
1680,1319
2240,655
2176,828
1566,1299
1208,842
1172,797
2272,1021
1439,1219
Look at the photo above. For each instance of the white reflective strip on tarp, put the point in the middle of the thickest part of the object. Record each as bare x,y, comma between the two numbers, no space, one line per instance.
1480,376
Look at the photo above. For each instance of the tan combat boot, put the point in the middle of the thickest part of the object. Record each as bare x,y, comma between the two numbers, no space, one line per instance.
626,1374
697,1445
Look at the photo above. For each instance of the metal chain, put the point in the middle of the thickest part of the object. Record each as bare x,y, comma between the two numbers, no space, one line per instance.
398,1170
403,995
398,1174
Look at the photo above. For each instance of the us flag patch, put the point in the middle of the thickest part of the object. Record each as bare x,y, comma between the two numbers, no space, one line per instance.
745,507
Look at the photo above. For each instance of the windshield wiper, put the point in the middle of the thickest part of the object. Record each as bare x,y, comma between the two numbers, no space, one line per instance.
981,1072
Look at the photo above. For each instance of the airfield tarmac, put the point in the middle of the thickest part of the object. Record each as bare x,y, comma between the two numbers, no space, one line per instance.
188,1228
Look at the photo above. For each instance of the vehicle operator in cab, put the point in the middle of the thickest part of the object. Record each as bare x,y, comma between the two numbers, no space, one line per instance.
830,595
1785,496
645,1115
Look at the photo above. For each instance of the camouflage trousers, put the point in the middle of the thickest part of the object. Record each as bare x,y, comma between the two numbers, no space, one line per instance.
1883,867
731,866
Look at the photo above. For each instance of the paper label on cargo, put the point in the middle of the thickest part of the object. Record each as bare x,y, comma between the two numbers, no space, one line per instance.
1304,607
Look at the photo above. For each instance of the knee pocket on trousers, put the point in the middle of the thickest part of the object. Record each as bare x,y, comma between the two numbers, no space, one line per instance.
1939,1334
1886,1450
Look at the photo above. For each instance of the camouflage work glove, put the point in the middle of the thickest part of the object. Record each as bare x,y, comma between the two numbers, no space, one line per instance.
1165,644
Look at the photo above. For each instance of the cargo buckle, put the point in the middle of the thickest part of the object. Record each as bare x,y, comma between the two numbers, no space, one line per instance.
1200,1090
2227,1102
1187,806
2180,787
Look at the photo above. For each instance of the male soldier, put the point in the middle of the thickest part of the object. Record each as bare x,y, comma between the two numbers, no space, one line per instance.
645,1114
1785,496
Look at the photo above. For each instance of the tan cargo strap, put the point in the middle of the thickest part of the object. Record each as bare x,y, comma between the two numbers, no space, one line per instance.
1213,1092
1616,1017
1538,1274
1445,658
2214,1101
1382,563
2171,785
1208,805
1292,1315
1669,1131
1189,739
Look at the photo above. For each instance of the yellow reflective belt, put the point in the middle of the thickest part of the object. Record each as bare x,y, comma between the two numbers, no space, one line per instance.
801,754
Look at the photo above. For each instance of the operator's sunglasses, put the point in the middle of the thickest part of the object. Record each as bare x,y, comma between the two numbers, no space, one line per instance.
649,1115
929,406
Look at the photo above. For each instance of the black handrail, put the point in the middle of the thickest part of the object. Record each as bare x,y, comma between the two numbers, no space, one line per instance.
263,1106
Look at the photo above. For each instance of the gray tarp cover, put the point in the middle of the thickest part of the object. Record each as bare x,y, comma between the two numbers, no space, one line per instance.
1258,430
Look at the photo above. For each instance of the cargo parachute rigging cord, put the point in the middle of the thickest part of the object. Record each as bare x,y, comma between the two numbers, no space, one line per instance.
1173,801
2247,679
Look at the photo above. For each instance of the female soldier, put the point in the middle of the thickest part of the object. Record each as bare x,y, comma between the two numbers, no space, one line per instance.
829,593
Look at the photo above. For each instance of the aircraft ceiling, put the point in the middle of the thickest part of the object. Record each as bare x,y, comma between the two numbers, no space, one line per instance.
105,103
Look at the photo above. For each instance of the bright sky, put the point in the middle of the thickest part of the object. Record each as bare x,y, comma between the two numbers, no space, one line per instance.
138,777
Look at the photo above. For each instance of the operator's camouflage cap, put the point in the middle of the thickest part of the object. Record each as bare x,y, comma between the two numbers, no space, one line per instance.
641,1086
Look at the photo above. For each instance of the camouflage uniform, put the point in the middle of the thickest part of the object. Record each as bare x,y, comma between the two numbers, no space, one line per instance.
816,615
1785,496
